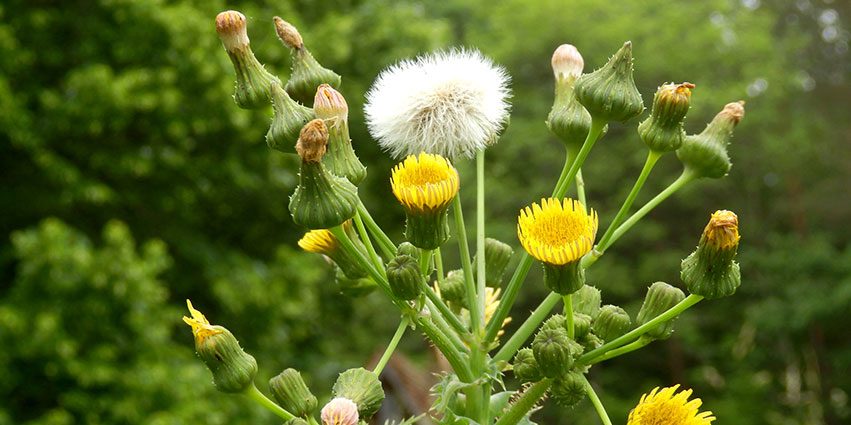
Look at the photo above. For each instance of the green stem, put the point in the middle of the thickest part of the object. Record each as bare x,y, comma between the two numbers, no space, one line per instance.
605,241
466,264
391,347
525,403
477,348
580,187
598,405
568,313
527,328
439,321
508,297
425,262
445,311
388,248
456,359
438,264
568,174
375,273
366,241
253,393
669,314
632,346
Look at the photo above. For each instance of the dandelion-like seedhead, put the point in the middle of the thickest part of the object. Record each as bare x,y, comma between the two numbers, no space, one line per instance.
668,407
450,103
556,232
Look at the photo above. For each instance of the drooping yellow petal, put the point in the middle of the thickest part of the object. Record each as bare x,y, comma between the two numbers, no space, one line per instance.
557,232
667,407
425,182
722,230
201,327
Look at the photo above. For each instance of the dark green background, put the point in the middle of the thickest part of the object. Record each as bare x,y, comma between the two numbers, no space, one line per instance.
131,181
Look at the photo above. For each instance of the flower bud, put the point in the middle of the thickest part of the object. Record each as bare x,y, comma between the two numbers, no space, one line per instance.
711,271
233,369
341,160
567,62
321,200
363,388
526,367
590,342
554,351
403,274
290,117
324,242
353,288
568,390
612,322
660,297
252,79
581,325
609,93
497,256
307,74
292,393
568,119
453,289
555,321
405,248
587,300
340,411
705,154
296,421
663,130
425,185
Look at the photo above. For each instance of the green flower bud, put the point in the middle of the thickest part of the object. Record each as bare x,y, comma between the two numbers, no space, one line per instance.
555,321
660,297
324,242
425,185
663,130
711,271
609,93
292,393
568,119
526,367
612,322
453,288
321,200
252,79
233,369
581,325
590,342
307,74
296,421
705,154
564,279
497,256
406,248
554,351
403,274
587,300
353,288
362,387
341,160
290,117
568,390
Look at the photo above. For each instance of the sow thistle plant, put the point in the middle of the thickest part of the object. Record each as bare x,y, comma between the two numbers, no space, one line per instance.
450,106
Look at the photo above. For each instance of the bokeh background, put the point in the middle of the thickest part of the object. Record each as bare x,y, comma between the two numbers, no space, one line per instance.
131,181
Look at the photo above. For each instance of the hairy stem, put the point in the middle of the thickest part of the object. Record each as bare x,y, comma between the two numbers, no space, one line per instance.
525,403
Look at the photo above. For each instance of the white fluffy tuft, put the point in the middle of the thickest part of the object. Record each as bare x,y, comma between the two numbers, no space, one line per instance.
450,103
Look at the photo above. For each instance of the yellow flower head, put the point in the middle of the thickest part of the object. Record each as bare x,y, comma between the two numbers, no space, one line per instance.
321,241
491,304
425,183
723,230
201,327
664,407
557,232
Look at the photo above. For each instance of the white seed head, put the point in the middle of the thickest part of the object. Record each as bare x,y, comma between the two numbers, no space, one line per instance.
340,411
567,62
449,103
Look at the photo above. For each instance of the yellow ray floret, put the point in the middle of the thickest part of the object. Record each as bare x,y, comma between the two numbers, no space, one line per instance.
723,229
556,232
425,182
201,327
491,304
667,407
321,241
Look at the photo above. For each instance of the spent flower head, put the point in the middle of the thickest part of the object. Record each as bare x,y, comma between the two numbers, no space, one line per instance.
668,407
340,411
231,27
567,62
451,103
201,327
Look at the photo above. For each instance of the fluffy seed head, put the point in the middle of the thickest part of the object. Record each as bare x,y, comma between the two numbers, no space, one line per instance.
449,103
567,62
557,232
340,411
288,34
425,183
231,27
666,406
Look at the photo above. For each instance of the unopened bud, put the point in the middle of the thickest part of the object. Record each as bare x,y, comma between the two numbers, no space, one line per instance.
406,248
288,34
497,256
568,119
705,154
363,388
609,93
612,322
340,411
568,390
290,117
252,80
453,289
296,421
526,367
711,271
341,160
587,300
353,288
554,351
663,130
403,274
312,141
307,74
231,27
233,369
292,393
581,325
660,298
322,241
567,62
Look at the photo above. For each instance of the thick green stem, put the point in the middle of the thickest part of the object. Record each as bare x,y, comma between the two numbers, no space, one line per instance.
377,274
253,393
525,403
630,336
478,350
568,314
458,361
598,405
438,265
508,297
580,188
632,346
605,241
466,264
376,260
453,336
387,247
527,328
425,263
445,311
569,173
391,347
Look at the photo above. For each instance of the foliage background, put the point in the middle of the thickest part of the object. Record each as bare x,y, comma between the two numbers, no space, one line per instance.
131,182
